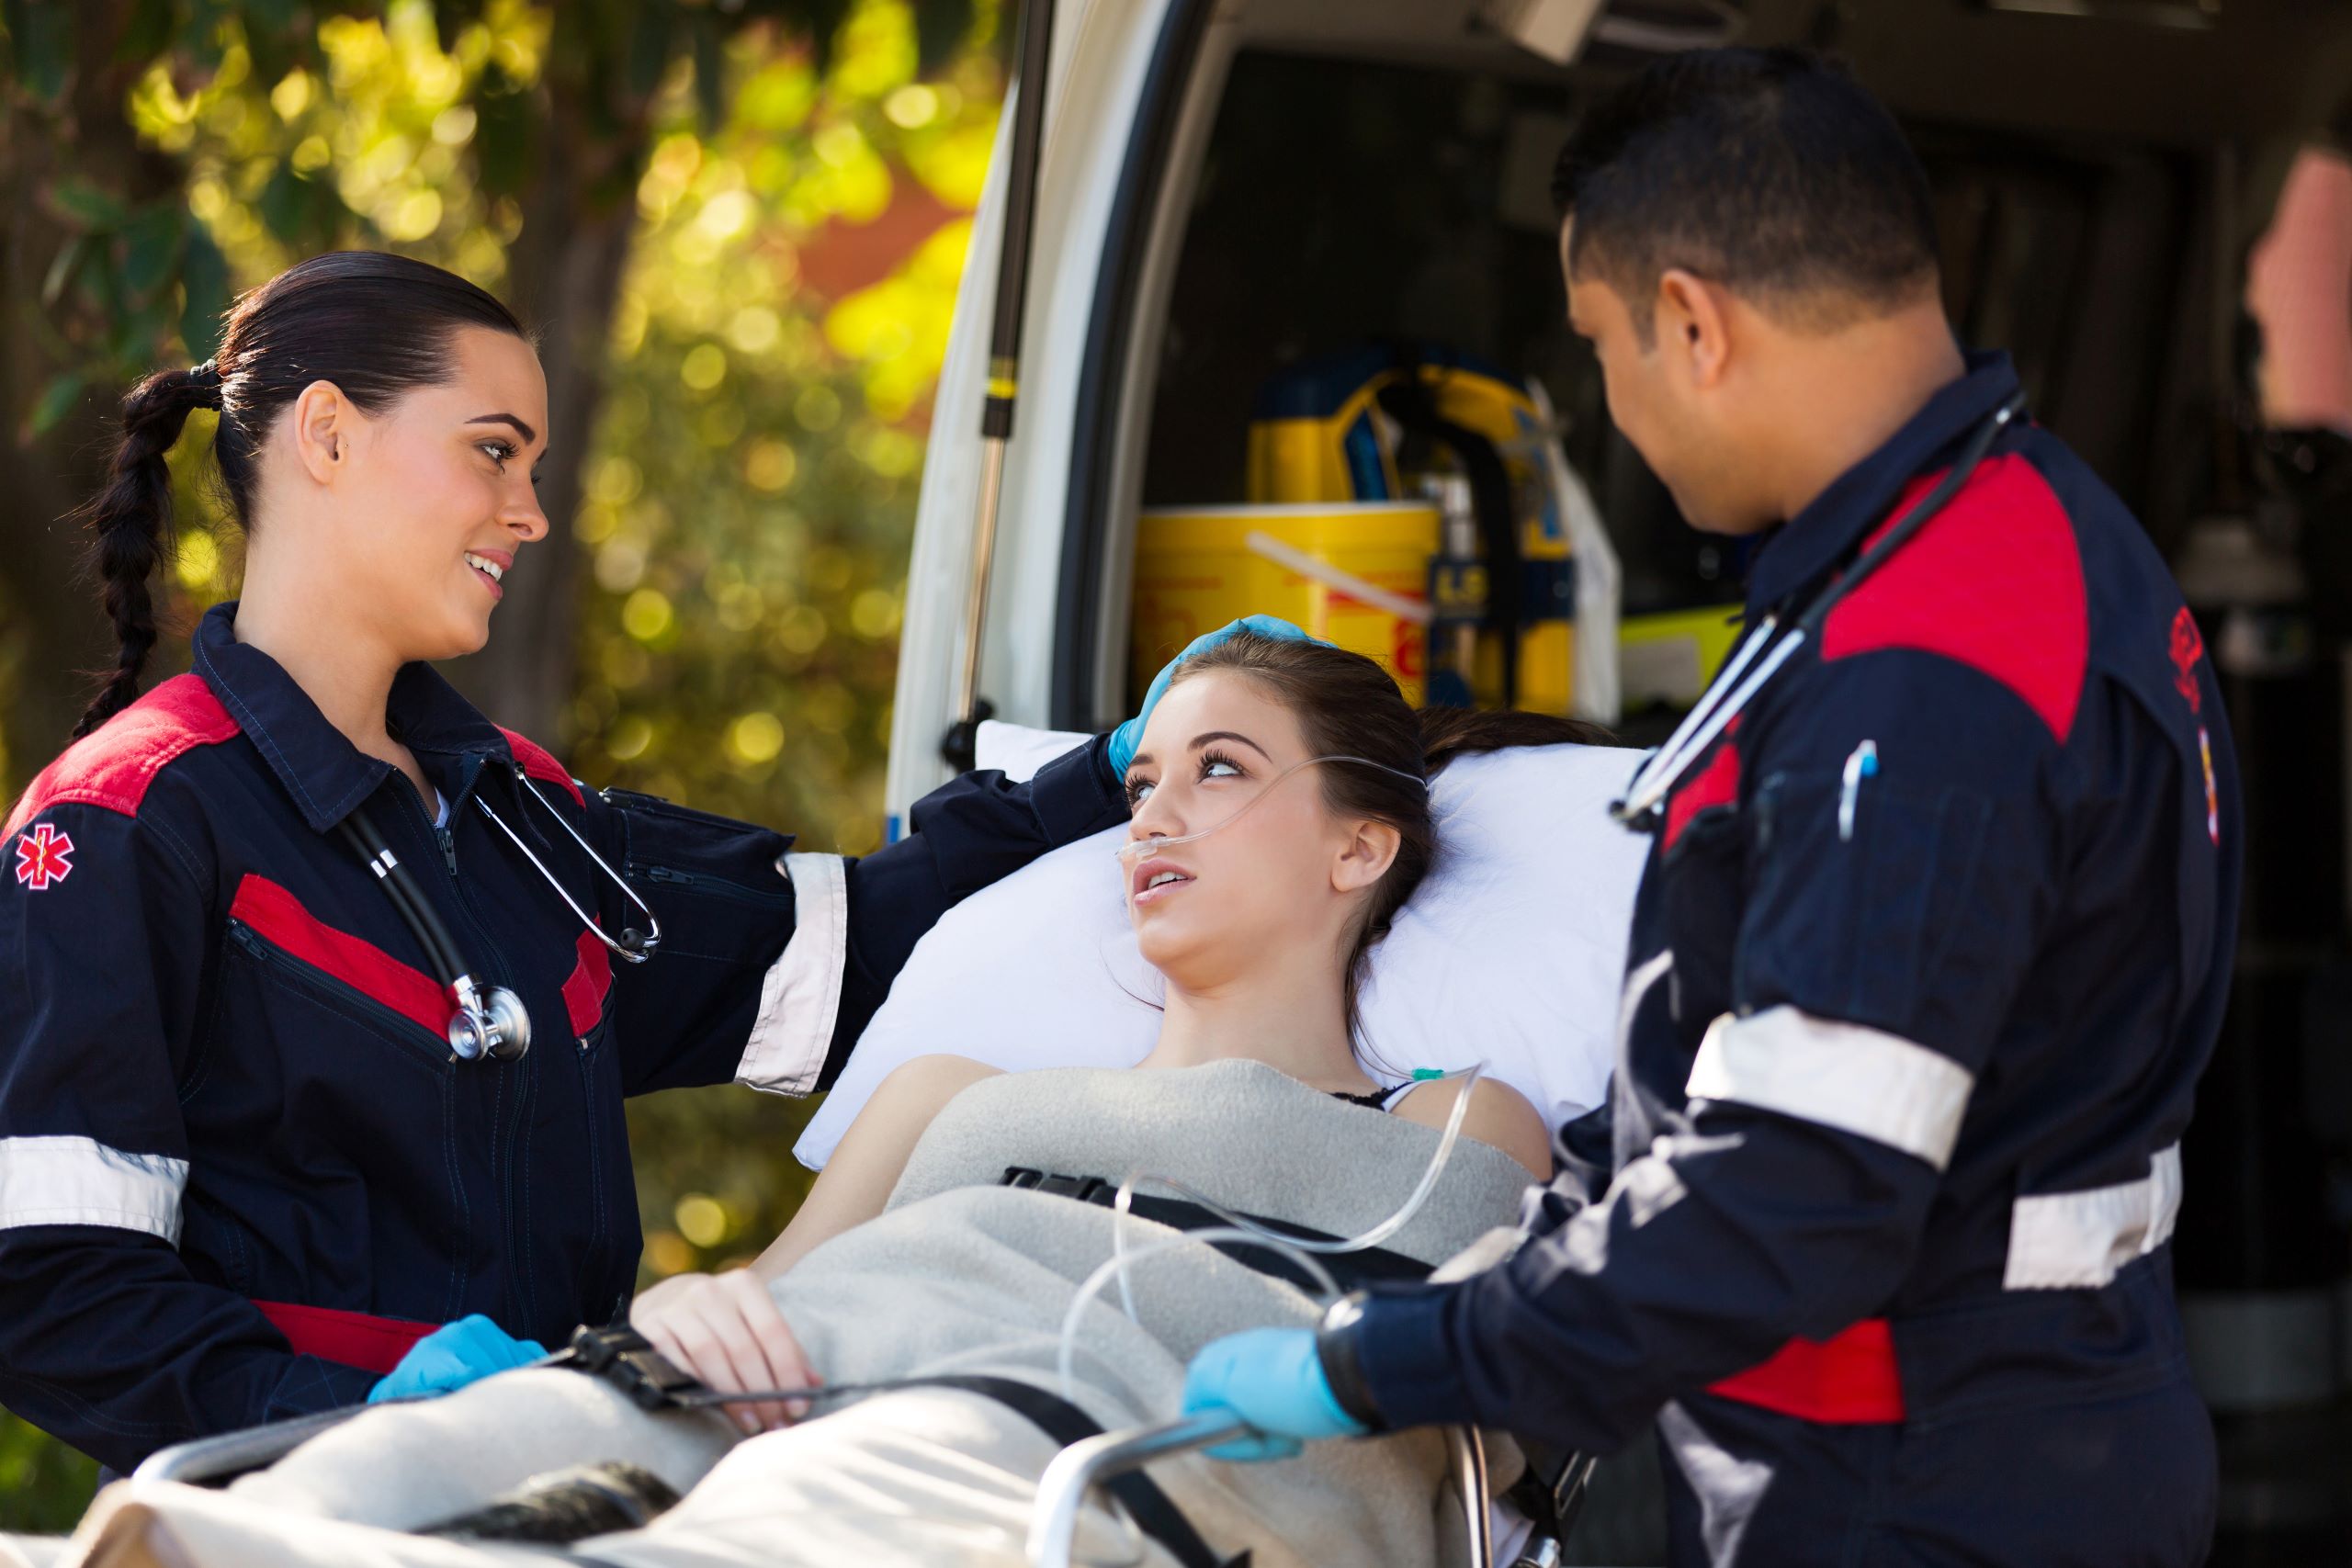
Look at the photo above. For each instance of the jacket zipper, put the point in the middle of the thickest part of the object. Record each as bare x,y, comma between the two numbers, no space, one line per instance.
260,948
717,886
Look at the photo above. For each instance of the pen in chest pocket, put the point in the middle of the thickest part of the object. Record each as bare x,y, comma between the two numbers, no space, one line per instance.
1863,764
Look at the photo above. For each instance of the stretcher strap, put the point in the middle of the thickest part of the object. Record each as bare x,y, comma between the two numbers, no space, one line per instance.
1353,1270
1154,1512
1849,1380
622,1357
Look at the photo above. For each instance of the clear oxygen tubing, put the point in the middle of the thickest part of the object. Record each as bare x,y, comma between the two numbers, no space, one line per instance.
1241,1229
1144,849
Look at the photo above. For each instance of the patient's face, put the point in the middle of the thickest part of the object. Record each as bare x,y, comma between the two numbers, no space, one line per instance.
1260,887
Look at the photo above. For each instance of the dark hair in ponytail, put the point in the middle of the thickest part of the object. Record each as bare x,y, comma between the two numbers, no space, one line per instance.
1348,707
374,325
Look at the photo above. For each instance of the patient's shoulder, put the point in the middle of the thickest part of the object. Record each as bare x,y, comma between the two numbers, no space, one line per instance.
1498,1115
923,1085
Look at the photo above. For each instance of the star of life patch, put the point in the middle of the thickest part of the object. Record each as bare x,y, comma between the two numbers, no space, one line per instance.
44,856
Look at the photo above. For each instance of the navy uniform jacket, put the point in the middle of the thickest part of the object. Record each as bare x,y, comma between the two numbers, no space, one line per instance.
239,1169
1906,1053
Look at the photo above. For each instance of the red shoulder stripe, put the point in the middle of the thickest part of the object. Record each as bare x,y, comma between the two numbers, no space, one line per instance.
539,762
1993,581
275,914
113,766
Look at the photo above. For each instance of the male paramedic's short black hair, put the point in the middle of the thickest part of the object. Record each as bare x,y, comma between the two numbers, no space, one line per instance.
1770,171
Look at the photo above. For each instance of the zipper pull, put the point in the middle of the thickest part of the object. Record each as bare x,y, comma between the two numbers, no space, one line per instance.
1861,765
448,850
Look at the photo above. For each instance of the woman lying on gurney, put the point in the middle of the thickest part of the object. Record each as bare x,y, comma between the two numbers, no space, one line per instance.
1281,818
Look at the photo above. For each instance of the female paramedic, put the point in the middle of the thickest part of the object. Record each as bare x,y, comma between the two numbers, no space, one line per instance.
319,992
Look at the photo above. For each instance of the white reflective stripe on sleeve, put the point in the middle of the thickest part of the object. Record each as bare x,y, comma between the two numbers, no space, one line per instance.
1864,1081
2077,1240
801,997
80,1182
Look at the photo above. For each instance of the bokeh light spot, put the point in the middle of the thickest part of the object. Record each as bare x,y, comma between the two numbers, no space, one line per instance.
755,737
646,614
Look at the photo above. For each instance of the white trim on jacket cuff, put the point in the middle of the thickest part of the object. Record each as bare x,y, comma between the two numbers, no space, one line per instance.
800,999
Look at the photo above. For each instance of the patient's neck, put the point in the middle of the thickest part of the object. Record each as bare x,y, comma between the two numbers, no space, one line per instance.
1291,1016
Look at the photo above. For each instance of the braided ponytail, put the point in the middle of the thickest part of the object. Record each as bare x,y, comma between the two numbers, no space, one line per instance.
130,523
375,326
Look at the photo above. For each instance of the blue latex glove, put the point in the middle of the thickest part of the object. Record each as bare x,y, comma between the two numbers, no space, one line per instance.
453,1356
1271,1378
1129,735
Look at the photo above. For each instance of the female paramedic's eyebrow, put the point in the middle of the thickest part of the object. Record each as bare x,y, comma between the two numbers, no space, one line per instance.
1201,740
524,431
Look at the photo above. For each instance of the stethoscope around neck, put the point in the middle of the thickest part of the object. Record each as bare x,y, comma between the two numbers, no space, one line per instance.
1758,657
490,1021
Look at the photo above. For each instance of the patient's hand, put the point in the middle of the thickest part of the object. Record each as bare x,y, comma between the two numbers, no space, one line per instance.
726,1330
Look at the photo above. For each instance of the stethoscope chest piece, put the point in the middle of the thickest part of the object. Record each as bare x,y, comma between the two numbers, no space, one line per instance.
494,1024
490,1021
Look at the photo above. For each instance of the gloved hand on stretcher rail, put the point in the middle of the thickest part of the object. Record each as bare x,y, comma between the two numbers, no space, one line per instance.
1273,1378
453,1356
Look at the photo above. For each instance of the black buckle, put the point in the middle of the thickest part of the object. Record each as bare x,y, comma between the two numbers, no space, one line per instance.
1085,1189
624,1358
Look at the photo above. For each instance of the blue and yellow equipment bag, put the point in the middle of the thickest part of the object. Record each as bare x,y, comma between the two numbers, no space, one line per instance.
1388,424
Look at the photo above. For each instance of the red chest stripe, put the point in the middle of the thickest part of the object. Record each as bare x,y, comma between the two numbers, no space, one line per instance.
1717,784
113,767
351,1338
277,916
1993,581
538,762
584,993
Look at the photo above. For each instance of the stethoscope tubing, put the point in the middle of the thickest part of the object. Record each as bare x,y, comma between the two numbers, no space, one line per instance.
1736,686
491,1020
423,918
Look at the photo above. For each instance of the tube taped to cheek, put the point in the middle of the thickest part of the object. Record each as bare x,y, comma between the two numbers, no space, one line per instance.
1135,849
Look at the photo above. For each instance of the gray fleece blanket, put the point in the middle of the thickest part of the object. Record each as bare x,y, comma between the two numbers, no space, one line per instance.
960,1274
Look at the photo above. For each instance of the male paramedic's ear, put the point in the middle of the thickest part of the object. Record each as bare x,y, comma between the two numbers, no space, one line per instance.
1129,735
1692,323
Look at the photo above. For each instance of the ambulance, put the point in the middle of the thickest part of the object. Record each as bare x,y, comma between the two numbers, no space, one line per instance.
1271,305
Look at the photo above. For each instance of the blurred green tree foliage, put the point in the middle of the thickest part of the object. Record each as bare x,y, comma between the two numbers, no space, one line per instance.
739,230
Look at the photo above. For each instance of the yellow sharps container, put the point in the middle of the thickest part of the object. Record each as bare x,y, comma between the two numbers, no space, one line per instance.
1199,567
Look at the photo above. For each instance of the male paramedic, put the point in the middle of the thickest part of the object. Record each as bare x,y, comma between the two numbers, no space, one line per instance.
1933,944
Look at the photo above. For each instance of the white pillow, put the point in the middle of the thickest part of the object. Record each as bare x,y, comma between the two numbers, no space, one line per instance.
1512,949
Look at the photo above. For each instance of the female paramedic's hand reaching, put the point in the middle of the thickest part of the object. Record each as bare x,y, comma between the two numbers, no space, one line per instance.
1128,736
453,1356
726,1330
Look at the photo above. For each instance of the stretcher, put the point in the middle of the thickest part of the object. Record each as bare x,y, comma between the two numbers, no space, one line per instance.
1549,1496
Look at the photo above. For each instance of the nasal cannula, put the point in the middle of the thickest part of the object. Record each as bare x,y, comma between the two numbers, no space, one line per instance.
1144,849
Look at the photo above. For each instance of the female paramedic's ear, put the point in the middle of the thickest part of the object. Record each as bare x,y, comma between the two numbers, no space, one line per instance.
322,424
